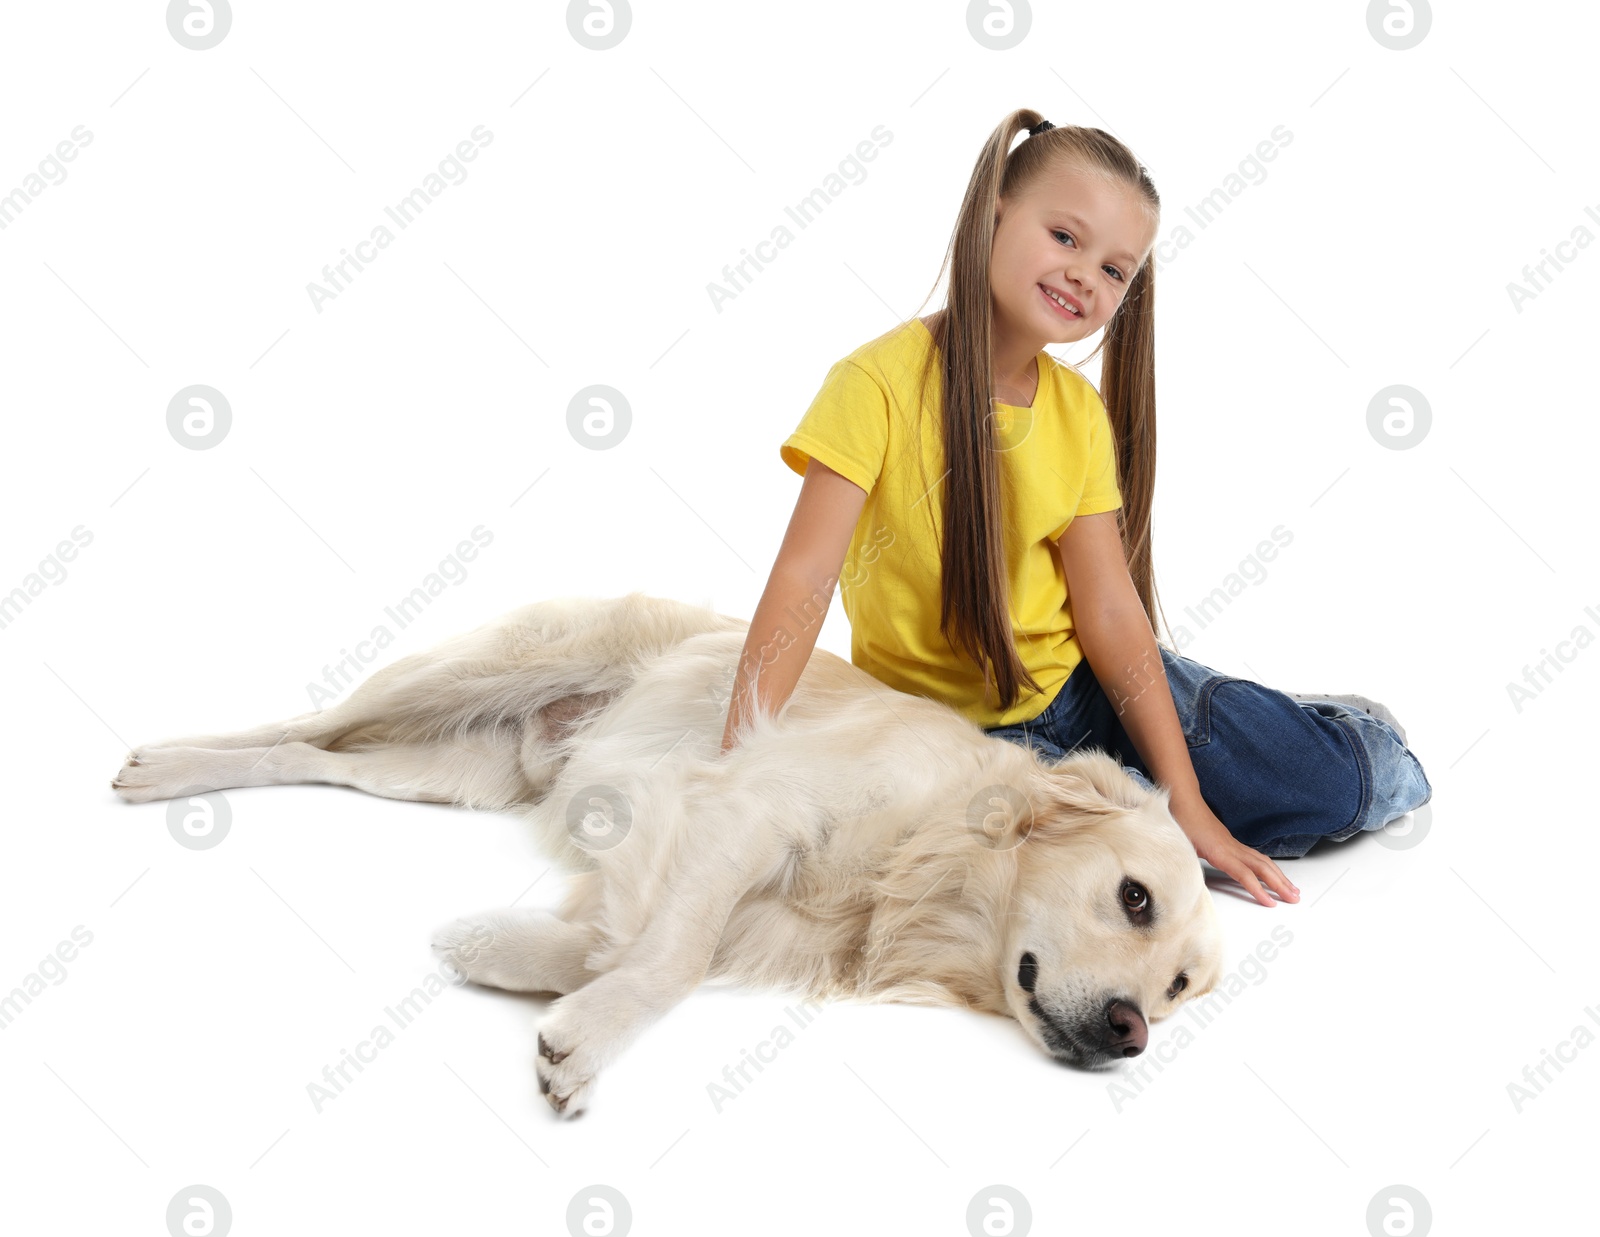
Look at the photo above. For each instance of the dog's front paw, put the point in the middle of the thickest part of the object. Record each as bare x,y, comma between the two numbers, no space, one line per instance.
466,944
566,1076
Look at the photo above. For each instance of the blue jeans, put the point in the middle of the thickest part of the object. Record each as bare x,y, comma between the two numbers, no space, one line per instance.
1281,774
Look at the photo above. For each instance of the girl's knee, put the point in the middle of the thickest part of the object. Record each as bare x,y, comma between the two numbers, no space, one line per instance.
1278,776
1400,784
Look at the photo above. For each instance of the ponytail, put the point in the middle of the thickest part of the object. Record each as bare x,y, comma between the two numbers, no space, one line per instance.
975,612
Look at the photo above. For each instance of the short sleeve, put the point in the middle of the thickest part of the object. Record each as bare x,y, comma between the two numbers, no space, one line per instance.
846,427
1100,492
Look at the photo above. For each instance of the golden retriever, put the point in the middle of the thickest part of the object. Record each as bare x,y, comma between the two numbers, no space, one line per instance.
861,844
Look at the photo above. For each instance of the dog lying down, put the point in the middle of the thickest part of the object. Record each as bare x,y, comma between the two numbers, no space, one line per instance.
864,844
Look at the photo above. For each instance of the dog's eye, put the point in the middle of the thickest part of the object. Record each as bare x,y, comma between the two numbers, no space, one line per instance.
1028,972
1178,985
1136,900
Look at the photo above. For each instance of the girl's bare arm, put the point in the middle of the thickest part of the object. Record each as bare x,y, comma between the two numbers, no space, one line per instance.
1115,635
799,590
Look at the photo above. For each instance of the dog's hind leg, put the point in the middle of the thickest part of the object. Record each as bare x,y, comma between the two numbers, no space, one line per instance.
314,728
523,662
398,702
480,769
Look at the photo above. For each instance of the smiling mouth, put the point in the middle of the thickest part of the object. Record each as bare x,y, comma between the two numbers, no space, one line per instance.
1066,310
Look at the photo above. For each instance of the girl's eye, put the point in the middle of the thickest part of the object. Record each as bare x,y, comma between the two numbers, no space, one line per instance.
1108,267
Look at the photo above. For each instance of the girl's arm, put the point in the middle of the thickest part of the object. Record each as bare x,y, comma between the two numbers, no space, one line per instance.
801,584
1114,633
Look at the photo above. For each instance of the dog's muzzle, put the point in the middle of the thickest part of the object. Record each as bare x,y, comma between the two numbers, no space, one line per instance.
1119,1031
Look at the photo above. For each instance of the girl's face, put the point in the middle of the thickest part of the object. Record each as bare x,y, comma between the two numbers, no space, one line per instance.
1075,233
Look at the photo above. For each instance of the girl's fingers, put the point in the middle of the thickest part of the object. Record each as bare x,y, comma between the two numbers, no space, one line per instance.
1244,863
1273,877
1282,884
1240,871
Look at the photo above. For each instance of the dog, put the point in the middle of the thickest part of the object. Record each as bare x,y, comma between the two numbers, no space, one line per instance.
862,843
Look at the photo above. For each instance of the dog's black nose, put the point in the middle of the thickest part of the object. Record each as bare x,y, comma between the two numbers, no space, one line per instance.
1129,1034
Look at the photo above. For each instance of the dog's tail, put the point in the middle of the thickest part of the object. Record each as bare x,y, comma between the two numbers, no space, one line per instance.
551,663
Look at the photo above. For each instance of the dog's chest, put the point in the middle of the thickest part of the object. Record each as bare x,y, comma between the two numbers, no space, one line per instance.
836,859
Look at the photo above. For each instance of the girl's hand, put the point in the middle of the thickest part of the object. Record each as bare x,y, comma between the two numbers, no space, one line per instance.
1213,843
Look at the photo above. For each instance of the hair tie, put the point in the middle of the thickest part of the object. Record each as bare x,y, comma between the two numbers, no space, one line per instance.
1036,130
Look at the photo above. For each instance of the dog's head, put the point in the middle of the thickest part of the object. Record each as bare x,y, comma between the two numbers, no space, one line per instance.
1112,926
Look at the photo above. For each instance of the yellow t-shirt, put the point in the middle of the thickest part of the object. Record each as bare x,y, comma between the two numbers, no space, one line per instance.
1057,463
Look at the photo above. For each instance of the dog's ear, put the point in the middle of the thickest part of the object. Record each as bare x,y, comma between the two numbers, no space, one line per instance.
1056,801
1101,774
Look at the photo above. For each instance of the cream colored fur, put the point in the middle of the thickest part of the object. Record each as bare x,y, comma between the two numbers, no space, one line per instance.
864,844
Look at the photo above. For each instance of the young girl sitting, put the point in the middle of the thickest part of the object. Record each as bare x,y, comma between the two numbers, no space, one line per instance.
992,519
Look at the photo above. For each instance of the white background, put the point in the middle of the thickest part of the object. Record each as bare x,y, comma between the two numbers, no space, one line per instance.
371,437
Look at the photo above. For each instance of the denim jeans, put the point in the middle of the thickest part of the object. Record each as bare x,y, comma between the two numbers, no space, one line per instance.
1281,774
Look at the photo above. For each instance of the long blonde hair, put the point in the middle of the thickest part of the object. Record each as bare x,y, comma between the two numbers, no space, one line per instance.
975,613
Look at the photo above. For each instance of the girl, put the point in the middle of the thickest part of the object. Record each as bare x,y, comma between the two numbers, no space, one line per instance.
994,528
